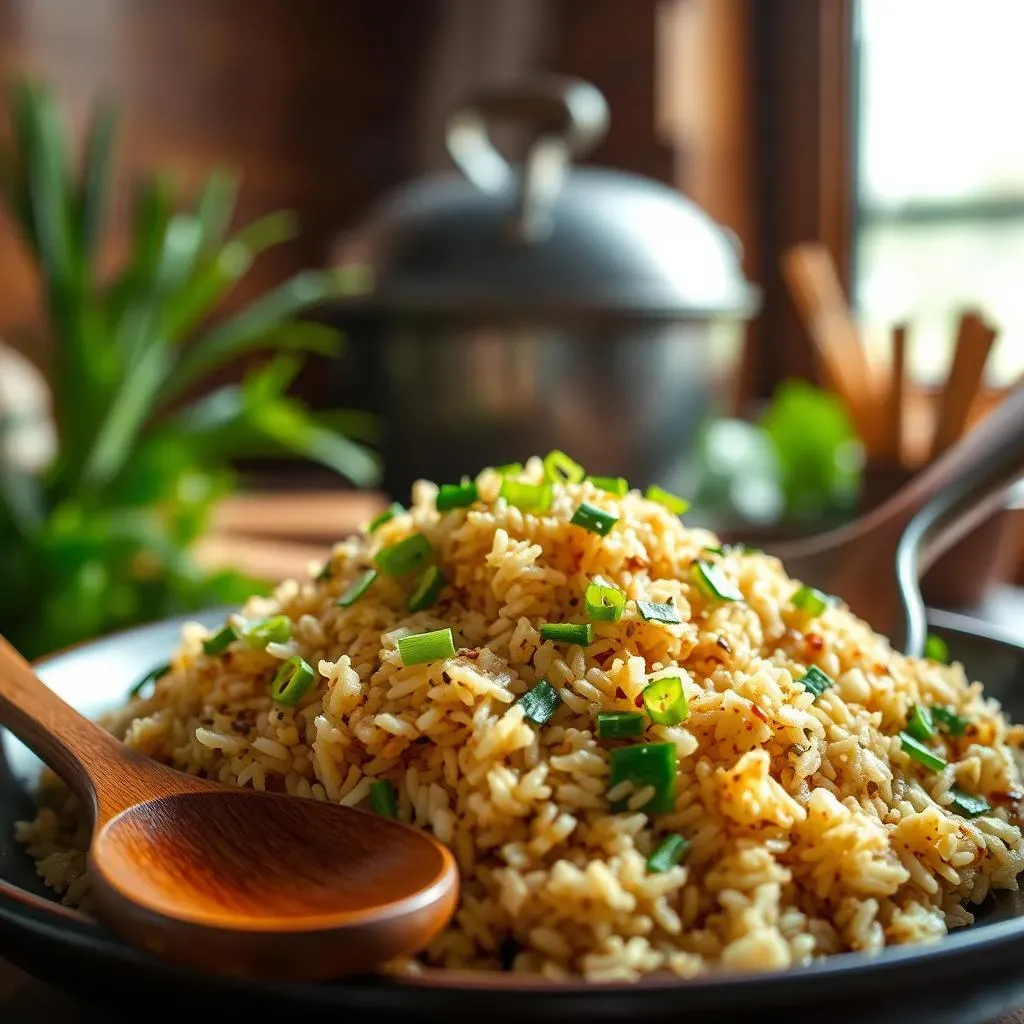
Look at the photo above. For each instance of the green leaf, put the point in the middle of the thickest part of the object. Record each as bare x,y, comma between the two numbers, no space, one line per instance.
14,196
216,206
95,182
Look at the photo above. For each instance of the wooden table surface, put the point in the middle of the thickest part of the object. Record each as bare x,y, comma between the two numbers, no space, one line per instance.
279,537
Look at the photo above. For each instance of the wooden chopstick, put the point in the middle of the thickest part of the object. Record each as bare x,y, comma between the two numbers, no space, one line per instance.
895,398
974,341
810,274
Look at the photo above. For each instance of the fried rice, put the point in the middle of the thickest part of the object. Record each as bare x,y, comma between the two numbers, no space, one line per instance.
798,818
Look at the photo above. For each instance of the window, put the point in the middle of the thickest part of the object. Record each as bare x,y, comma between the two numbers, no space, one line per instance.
939,197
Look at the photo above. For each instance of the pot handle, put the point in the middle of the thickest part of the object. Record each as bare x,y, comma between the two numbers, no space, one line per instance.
566,117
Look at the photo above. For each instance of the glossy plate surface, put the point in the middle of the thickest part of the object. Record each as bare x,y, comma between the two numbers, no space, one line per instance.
970,977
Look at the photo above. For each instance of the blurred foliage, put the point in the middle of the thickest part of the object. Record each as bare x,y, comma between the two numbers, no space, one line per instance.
100,539
800,464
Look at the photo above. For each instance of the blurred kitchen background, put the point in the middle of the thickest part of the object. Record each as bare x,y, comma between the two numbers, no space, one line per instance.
767,254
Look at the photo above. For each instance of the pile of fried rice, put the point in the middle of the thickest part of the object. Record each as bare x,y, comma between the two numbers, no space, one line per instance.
824,792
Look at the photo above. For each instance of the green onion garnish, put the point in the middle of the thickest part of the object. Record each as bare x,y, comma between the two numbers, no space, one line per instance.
969,805
816,682
604,604
713,583
675,505
355,590
526,497
275,630
658,611
714,551
811,601
667,854
394,509
510,469
456,496
620,725
151,676
560,469
383,799
936,649
425,593
594,519
540,702
645,764
920,724
419,648
581,633
293,679
219,642
325,573
949,721
405,556
665,701
617,485
920,753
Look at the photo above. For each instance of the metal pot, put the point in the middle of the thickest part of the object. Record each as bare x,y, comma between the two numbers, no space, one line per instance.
513,310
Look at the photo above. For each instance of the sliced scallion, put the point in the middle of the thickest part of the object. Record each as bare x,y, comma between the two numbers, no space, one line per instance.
451,496
816,682
617,485
275,630
581,633
383,799
667,854
220,641
713,583
645,765
948,720
594,519
293,679
920,724
665,701
936,649
969,805
560,469
355,590
527,497
658,611
920,753
620,725
812,602
540,702
394,509
676,505
509,469
603,604
419,648
405,556
426,591
152,676
325,573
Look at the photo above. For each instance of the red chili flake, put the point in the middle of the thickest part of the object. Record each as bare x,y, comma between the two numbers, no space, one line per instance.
814,642
620,693
1006,797
758,713
472,653
639,700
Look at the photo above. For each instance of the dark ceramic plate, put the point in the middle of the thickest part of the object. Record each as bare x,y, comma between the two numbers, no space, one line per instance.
972,976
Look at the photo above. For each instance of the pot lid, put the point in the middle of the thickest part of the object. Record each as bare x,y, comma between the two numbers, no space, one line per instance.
544,237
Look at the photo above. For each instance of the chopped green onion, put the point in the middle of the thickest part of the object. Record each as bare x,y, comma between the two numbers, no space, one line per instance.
949,721
920,724
667,854
219,642
355,590
714,551
325,573
920,753
604,604
456,496
426,591
658,611
581,633
594,519
275,630
713,583
675,505
540,702
816,682
293,679
969,805
152,676
665,701
383,799
617,485
526,497
510,469
560,469
394,509
620,725
645,764
811,601
419,648
936,649
405,556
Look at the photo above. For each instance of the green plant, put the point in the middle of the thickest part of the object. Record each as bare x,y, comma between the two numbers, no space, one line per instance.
100,538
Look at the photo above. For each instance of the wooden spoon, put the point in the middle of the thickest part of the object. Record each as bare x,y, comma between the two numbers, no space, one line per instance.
229,880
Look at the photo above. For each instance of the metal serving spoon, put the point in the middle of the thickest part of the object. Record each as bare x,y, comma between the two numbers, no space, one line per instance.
229,880
873,563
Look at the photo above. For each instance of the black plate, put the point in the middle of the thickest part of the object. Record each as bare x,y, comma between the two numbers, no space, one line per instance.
972,976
